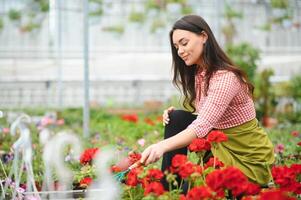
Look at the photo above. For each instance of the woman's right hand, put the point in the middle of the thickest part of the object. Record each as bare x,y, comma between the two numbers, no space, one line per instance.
165,115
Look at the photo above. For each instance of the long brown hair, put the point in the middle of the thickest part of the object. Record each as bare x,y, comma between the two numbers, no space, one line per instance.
214,59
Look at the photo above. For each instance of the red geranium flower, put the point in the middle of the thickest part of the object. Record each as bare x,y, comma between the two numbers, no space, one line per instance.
215,181
286,177
218,163
198,193
155,174
132,178
275,195
182,197
130,118
88,155
217,136
134,157
299,143
199,144
232,179
85,182
178,160
252,189
155,188
189,168
115,169
149,121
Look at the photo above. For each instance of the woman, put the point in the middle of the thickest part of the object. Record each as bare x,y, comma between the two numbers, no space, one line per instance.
221,95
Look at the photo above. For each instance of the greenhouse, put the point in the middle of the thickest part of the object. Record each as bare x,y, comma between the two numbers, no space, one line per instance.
91,90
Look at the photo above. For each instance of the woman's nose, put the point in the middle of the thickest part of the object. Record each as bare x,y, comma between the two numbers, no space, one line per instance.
180,51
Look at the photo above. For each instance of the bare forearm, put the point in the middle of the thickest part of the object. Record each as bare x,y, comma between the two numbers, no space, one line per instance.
182,139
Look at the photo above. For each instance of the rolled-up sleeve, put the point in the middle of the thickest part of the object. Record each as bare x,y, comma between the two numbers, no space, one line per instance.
223,87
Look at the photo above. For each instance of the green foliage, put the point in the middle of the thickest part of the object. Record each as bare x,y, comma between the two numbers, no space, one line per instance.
187,10
1,24
14,15
265,27
244,56
96,1
177,1
264,92
30,27
280,3
295,88
157,24
118,28
155,4
44,5
137,16
231,13
229,29
98,10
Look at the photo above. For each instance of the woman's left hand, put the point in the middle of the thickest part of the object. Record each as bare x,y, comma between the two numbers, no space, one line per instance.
152,154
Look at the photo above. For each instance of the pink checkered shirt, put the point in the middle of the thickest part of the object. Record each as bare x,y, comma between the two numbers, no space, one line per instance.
226,105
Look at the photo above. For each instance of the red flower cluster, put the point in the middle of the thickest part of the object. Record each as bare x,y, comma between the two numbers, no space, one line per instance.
149,121
88,155
132,177
130,118
217,136
198,193
85,182
134,157
154,175
180,165
210,163
199,144
295,133
150,182
155,188
189,168
275,195
178,160
230,179
286,177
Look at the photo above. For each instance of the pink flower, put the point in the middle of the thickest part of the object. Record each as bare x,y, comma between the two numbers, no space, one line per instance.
46,121
60,122
141,142
5,130
279,148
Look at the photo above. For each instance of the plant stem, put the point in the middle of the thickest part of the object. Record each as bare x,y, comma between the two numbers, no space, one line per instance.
131,197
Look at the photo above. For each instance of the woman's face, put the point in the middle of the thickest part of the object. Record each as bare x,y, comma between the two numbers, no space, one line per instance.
189,46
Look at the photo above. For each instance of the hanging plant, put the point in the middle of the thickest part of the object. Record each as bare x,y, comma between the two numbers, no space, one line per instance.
95,7
156,4
138,17
280,4
44,5
1,24
177,1
186,10
265,27
14,15
231,13
157,24
114,28
29,27
229,29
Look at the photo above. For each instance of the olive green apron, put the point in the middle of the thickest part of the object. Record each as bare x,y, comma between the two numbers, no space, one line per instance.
249,149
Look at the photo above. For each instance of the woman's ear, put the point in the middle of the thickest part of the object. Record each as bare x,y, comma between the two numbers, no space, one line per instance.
204,36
